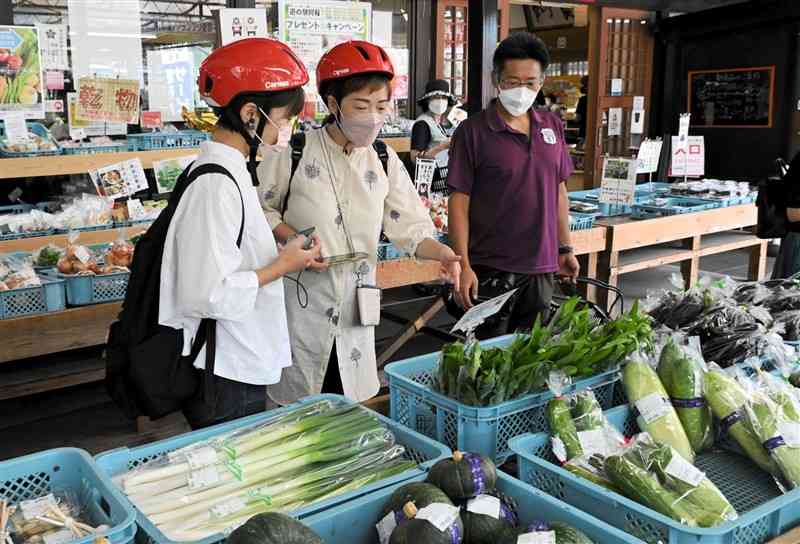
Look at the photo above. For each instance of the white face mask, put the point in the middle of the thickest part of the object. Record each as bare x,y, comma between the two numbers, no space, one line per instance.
437,105
517,101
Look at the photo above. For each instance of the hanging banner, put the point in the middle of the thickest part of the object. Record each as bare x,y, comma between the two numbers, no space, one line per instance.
20,72
311,27
54,47
618,185
104,99
234,24
615,122
688,160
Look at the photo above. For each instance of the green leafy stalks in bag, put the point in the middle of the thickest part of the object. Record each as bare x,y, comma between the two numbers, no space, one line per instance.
682,377
769,424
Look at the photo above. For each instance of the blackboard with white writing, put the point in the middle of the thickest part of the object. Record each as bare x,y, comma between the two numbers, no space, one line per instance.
739,97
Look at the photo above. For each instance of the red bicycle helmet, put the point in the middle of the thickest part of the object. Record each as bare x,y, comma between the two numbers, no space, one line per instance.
252,65
353,58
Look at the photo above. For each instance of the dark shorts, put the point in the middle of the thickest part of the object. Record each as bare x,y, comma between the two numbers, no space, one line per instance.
232,400
519,314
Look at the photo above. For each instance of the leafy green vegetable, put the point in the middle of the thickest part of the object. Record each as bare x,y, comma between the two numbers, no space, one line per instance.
572,343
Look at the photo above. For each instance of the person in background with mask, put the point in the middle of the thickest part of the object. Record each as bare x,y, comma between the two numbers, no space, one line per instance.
341,188
218,264
429,138
509,212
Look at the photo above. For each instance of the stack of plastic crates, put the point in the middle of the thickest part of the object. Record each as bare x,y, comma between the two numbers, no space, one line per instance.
152,141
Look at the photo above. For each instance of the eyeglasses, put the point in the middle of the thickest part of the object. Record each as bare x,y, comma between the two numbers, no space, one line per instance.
533,84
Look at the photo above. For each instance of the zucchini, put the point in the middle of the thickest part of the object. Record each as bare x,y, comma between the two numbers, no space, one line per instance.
563,427
643,384
765,417
585,468
643,487
682,378
727,400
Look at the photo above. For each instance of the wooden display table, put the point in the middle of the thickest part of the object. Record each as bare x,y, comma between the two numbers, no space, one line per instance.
634,245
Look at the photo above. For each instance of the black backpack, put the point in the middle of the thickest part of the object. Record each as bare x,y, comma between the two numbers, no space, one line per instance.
775,195
298,143
146,373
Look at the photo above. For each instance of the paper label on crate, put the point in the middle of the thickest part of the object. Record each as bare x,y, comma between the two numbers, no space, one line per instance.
652,407
226,508
441,515
59,537
486,505
82,254
34,508
201,457
385,528
683,470
539,537
15,126
790,431
204,477
594,441
559,450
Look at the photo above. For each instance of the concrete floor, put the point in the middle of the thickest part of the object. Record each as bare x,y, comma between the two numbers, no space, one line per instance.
83,416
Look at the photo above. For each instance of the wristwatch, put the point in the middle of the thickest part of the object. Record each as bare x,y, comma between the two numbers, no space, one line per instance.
565,250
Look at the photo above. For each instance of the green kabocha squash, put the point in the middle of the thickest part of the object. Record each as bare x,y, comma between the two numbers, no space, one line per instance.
483,529
418,531
565,534
420,493
273,528
464,476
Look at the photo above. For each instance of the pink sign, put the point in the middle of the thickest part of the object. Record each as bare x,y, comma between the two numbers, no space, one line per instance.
54,80
151,119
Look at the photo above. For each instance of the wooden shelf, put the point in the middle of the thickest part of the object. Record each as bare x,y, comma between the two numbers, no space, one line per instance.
651,257
31,167
714,244
36,378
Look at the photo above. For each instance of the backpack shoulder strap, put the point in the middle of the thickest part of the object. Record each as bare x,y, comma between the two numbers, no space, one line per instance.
209,168
383,154
297,143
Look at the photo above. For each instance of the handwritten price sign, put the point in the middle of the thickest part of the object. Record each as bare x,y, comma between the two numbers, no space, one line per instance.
112,100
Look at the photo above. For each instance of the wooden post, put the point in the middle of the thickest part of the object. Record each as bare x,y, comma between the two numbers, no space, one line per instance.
691,269
758,262
481,43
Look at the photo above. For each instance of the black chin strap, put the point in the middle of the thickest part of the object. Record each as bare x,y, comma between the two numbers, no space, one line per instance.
253,143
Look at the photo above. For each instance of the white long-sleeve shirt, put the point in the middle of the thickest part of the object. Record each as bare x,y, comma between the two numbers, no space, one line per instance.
204,274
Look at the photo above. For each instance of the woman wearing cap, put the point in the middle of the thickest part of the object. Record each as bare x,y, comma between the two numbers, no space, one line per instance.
220,260
429,139
341,188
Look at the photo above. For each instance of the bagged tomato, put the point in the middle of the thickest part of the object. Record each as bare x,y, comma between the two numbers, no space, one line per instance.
120,254
77,259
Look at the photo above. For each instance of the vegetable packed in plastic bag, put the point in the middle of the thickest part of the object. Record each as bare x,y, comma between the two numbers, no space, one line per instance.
656,475
17,274
655,413
120,254
681,369
77,259
47,256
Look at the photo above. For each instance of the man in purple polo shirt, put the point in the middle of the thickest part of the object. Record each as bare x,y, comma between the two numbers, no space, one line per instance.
509,211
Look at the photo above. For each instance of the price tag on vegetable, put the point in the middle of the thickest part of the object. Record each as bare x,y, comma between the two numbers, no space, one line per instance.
543,537
683,470
486,505
652,407
34,508
201,457
59,537
790,431
559,450
386,527
441,515
206,476
82,254
135,209
480,313
593,441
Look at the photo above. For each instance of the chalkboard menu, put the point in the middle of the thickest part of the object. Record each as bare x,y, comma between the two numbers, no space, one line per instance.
737,98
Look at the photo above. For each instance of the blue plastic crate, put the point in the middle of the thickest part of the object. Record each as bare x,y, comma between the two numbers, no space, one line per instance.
71,469
389,252
581,221
643,192
19,236
42,299
671,206
424,451
15,209
36,128
165,140
354,522
94,289
764,513
91,149
484,430
104,226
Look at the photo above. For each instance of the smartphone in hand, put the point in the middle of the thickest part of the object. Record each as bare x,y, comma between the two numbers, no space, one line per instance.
308,233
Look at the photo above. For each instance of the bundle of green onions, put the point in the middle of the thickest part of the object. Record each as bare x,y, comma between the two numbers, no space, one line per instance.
305,455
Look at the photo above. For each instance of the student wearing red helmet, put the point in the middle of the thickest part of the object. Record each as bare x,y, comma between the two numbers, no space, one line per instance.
350,189
220,260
